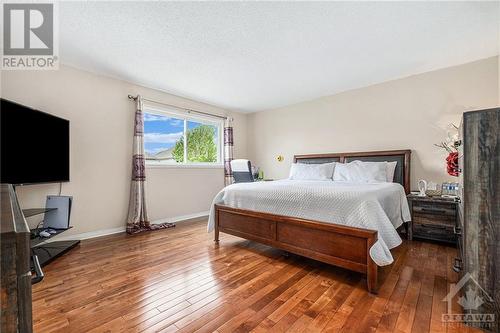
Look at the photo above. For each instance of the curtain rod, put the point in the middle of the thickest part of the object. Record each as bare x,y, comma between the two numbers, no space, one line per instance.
178,107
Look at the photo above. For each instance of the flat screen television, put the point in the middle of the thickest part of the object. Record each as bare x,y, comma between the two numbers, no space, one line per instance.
34,145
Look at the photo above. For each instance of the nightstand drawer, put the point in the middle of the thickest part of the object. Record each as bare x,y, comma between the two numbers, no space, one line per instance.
433,218
434,232
443,220
433,208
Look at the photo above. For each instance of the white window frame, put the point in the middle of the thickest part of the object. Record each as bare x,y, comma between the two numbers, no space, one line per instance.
206,120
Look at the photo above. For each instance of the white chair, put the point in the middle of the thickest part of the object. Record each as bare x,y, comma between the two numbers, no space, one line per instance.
242,171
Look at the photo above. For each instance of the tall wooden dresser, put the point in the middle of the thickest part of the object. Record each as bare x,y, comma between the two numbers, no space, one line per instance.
479,209
15,265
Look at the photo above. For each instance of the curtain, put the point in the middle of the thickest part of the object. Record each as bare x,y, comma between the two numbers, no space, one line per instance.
138,219
228,151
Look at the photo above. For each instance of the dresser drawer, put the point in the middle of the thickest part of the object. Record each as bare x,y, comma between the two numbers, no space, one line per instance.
434,232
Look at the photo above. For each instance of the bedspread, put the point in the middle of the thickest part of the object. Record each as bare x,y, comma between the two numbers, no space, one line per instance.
376,206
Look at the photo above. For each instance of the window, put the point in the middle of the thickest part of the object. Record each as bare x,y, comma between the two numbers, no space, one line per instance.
171,138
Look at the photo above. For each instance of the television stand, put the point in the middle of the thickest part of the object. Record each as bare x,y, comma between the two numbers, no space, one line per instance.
47,252
50,251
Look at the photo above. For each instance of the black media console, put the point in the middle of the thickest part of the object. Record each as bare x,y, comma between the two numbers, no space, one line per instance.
46,252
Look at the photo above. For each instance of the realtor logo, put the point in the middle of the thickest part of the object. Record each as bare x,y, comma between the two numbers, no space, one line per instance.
29,36
472,299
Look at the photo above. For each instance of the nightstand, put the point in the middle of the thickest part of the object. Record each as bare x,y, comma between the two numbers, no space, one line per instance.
433,218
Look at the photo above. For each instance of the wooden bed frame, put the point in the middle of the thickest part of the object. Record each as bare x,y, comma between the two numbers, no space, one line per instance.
339,245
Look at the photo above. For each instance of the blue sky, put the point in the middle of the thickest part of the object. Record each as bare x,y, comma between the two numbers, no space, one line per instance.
162,132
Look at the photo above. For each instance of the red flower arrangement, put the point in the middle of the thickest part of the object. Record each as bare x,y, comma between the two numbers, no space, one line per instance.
450,145
452,164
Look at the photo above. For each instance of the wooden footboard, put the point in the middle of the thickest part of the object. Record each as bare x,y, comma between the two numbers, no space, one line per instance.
338,245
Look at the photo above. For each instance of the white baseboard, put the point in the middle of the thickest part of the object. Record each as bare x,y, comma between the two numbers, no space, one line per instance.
105,232
181,218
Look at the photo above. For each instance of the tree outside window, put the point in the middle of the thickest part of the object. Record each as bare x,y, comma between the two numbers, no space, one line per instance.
171,140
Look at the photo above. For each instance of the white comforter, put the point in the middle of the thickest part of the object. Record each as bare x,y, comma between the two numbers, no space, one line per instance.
376,206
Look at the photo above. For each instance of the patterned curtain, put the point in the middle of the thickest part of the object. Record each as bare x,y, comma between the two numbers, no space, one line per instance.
228,151
138,219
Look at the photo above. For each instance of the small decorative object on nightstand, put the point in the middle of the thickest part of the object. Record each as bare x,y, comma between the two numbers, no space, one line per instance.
433,218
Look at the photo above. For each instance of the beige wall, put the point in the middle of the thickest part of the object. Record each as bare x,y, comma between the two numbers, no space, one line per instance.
101,145
408,113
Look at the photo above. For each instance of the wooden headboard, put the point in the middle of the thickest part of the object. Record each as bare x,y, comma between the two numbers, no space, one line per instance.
402,157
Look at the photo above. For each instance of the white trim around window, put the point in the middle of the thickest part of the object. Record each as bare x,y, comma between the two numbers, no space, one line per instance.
201,119
185,166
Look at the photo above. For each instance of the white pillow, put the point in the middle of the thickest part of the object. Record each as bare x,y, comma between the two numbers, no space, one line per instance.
303,171
361,172
391,168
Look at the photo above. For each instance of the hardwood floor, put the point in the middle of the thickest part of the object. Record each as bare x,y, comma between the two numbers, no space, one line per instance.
180,280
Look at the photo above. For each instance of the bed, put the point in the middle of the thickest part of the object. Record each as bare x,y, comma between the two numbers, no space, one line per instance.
352,226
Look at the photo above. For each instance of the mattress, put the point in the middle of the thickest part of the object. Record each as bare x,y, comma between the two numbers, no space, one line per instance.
377,206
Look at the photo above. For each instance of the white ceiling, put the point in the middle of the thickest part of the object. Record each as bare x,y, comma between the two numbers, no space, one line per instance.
252,56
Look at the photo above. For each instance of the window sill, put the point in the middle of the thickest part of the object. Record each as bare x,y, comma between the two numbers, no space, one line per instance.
185,166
